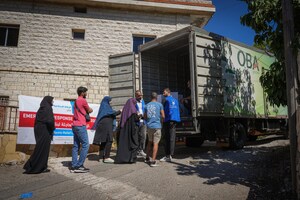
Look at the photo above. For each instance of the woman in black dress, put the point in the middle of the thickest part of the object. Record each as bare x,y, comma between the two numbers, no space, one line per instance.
128,142
43,133
104,125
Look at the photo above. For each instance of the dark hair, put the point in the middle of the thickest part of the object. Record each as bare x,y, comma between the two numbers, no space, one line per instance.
153,95
167,90
81,90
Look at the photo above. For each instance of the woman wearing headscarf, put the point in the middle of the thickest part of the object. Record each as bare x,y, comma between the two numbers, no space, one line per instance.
128,143
43,133
104,125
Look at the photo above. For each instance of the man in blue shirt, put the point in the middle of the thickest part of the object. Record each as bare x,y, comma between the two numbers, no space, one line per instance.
172,116
154,114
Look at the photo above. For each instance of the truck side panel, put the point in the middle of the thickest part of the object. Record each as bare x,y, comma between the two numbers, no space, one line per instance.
227,79
243,93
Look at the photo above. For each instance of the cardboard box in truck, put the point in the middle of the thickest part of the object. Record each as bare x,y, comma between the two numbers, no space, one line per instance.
228,103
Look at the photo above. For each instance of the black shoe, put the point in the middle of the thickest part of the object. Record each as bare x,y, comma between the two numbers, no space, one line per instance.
72,169
147,160
82,169
46,171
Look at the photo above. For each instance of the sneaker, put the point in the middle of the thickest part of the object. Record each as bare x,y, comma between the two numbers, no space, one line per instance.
84,168
142,154
81,169
153,163
166,159
147,159
72,169
108,160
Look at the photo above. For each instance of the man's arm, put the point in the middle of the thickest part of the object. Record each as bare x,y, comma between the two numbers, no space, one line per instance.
189,97
87,108
166,108
162,114
90,110
185,98
145,113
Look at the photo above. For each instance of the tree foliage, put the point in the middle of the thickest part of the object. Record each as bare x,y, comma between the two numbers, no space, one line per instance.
265,18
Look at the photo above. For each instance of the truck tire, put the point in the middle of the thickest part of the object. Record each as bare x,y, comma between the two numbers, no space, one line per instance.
194,141
252,138
238,136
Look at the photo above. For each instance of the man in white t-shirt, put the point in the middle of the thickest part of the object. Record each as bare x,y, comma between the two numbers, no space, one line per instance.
140,106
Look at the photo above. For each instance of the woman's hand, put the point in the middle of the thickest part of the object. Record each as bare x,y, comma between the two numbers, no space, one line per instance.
140,116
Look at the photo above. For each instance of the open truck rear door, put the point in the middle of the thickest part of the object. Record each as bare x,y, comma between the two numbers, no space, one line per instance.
122,81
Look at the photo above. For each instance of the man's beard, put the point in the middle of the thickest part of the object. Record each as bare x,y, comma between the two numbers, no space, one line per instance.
84,96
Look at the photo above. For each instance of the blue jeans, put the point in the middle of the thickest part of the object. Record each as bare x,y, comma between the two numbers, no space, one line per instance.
80,137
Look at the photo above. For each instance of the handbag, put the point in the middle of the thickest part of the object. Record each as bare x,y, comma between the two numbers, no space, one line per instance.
87,115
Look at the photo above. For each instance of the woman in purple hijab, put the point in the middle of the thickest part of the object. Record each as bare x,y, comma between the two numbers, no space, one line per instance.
128,136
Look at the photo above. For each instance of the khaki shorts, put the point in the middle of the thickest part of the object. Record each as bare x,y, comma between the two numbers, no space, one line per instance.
154,135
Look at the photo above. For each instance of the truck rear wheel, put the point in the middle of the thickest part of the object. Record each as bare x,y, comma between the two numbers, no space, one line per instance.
194,141
237,136
252,138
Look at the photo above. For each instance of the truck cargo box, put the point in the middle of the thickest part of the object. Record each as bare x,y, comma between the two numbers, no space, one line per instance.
227,99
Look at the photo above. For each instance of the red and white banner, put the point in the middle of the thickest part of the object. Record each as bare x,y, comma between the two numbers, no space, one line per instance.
63,114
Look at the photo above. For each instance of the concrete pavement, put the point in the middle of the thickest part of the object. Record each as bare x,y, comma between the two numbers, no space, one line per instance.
195,173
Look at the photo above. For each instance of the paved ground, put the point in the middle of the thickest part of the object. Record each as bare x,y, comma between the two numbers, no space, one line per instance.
259,171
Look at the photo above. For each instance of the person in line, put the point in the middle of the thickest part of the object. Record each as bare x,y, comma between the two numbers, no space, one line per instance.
172,117
43,132
104,125
127,140
140,106
187,101
80,135
154,114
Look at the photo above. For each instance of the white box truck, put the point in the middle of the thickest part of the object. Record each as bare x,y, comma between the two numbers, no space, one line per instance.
228,103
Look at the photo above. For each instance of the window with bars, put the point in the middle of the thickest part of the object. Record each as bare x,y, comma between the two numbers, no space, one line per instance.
4,100
139,40
78,34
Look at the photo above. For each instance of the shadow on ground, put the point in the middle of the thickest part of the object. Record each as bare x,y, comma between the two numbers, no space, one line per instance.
265,170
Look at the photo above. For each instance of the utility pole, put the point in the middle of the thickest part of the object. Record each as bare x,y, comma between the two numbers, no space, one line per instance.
291,87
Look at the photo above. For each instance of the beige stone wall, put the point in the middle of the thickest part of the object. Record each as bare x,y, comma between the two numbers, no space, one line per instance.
8,152
58,86
46,45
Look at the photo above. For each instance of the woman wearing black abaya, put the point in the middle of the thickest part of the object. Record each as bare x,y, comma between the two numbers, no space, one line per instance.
128,138
43,133
104,125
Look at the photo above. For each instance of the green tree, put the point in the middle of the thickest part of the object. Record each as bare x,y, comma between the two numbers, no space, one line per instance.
265,18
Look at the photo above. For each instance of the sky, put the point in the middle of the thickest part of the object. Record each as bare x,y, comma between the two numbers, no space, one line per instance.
226,21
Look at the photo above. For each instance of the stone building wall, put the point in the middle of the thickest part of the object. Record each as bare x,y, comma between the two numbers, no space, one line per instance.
61,86
48,61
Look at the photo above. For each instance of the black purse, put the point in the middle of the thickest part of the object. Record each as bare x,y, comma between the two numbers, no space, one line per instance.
87,115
